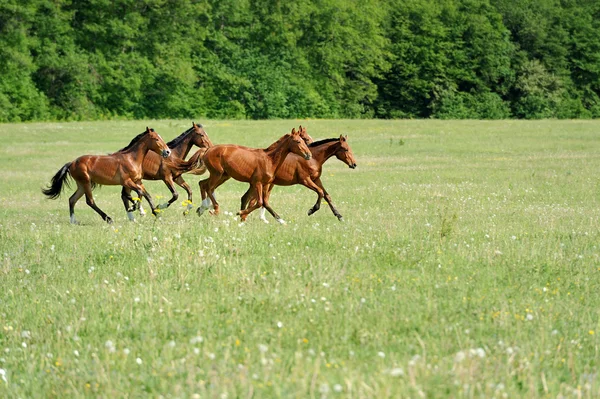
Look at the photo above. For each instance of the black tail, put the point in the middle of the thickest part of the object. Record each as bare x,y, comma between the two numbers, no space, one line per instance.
56,185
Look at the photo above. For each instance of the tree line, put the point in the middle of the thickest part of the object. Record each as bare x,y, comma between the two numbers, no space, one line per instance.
258,59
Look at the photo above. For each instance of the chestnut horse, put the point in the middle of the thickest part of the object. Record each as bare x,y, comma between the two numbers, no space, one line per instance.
170,170
250,165
297,170
206,203
123,167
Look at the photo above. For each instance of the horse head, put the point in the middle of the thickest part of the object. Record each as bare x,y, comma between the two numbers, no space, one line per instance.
344,153
297,145
200,138
305,136
157,144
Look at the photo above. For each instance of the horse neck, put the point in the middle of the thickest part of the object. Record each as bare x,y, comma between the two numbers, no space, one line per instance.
277,155
323,152
138,151
182,149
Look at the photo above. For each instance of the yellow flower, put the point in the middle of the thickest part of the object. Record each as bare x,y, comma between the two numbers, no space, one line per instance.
591,332
305,340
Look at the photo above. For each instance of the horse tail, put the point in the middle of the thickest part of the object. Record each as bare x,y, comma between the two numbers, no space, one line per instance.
56,184
178,167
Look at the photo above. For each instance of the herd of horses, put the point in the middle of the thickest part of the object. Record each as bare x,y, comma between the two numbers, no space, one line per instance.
293,159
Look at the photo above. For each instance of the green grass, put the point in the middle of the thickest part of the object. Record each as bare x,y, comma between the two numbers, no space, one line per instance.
468,266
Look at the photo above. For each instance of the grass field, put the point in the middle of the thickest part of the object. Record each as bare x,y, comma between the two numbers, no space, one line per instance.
468,265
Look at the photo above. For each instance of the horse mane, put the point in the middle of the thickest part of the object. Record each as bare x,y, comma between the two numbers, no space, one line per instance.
177,140
324,141
133,141
275,144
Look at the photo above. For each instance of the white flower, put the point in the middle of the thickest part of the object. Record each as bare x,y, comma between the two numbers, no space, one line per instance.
324,389
363,300
480,352
76,353
381,355
3,375
154,239
263,348
196,340
459,357
24,344
211,356
529,316
397,372
136,299
110,346
126,351
172,344
138,360
196,351
279,324
325,285
337,388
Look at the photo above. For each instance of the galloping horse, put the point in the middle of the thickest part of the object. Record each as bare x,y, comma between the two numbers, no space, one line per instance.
297,170
123,167
206,202
170,170
250,165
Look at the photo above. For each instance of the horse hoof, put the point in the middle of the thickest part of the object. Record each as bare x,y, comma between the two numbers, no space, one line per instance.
163,206
281,221
340,218
185,213
142,212
200,210
108,220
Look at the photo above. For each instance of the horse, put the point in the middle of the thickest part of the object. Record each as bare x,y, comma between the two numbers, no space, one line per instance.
297,170
170,170
206,203
123,167
250,165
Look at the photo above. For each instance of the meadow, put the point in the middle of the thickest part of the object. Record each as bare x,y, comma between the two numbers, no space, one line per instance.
468,265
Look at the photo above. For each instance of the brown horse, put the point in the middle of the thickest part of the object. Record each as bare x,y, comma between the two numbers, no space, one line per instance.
206,203
170,170
123,167
297,170
250,165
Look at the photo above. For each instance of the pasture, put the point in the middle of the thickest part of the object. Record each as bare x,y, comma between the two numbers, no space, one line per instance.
468,265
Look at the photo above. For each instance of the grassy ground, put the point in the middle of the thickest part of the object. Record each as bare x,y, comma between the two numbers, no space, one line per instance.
468,266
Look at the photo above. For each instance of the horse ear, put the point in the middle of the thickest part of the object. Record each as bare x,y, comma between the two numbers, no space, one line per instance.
147,129
300,128
342,138
293,130
194,124
346,137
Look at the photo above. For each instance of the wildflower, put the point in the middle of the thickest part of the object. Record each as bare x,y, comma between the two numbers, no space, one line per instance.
76,353
591,332
196,340
211,356
381,355
138,361
363,300
529,317
172,344
25,334
3,375
196,351
279,324
459,357
126,351
337,388
324,389
110,346
396,372
24,344
263,348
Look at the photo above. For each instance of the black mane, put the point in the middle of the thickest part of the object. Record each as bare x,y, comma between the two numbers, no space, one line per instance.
177,140
134,140
324,141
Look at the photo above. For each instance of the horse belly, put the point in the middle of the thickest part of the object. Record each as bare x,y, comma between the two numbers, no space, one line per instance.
105,170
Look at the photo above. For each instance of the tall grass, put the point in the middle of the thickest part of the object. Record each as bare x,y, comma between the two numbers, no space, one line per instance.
468,266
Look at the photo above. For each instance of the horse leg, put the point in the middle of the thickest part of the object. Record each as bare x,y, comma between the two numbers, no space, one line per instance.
182,183
311,185
261,211
328,199
128,203
73,200
89,199
258,189
174,195
266,196
208,187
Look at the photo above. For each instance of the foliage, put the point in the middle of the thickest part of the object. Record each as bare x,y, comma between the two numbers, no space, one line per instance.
96,59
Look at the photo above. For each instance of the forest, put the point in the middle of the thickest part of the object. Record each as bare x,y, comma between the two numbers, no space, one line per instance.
263,59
